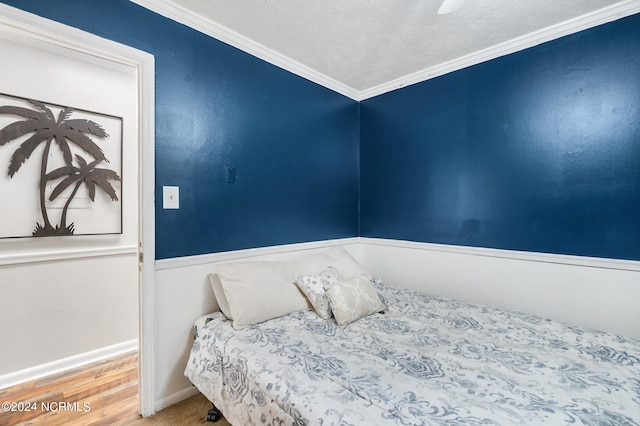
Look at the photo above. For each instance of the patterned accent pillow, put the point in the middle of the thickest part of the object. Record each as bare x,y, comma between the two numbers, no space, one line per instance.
353,299
313,286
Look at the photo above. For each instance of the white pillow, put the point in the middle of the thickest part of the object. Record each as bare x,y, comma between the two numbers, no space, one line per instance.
353,299
218,292
336,257
313,287
259,291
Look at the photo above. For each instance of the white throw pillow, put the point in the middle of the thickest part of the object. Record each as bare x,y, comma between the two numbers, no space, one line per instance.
353,299
218,292
259,291
336,257
313,287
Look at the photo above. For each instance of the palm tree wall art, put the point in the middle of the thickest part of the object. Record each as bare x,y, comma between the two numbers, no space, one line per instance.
66,141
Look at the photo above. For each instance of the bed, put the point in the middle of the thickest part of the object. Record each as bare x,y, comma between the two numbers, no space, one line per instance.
417,359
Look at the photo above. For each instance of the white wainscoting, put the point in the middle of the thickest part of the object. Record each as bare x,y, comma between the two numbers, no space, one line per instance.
183,294
60,314
597,293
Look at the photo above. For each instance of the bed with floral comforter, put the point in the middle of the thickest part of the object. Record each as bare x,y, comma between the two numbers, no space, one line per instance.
426,361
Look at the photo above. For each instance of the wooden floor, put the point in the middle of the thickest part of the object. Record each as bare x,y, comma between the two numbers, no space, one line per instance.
104,393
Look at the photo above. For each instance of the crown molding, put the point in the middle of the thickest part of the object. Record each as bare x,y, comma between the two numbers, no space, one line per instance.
580,23
173,11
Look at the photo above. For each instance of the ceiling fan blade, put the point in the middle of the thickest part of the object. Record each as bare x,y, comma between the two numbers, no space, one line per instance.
449,6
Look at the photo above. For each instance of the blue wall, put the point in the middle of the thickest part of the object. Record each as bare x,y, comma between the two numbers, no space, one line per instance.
293,144
536,151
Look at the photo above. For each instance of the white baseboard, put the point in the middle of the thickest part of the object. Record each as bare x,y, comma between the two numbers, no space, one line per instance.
175,398
66,364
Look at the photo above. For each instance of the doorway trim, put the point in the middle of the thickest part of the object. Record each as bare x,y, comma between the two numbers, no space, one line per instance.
61,35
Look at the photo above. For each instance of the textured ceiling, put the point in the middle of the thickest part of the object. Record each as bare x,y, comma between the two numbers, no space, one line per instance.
361,45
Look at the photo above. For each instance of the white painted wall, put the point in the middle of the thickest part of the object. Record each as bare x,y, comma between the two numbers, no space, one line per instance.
53,310
64,297
598,293
183,294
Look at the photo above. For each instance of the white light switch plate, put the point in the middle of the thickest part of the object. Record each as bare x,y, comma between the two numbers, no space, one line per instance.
170,197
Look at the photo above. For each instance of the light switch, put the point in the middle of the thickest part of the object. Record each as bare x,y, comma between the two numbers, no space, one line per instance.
170,197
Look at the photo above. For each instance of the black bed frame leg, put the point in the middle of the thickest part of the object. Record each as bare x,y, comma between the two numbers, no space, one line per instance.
213,415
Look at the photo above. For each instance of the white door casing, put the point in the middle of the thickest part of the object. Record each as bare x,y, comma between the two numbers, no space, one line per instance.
57,38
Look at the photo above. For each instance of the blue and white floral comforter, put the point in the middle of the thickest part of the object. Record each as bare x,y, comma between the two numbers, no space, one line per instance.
426,361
